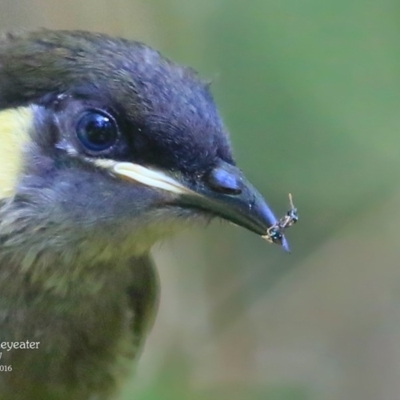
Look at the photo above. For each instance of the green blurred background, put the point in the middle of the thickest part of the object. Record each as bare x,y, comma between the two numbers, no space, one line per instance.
310,90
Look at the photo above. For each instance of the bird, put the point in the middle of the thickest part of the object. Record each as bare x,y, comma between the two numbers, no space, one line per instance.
107,147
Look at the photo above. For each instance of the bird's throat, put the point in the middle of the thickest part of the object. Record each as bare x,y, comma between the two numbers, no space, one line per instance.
14,135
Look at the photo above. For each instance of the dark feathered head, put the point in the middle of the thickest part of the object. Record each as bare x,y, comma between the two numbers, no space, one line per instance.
106,137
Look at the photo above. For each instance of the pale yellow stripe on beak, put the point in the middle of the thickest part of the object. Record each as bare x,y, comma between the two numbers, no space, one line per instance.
146,176
14,127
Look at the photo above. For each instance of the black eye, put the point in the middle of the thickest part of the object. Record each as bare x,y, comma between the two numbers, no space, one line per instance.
97,131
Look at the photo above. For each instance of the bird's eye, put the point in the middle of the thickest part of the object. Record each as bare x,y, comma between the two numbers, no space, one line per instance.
97,131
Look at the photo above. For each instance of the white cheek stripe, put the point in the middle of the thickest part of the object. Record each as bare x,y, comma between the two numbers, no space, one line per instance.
146,176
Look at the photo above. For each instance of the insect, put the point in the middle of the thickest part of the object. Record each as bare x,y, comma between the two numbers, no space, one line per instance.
275,232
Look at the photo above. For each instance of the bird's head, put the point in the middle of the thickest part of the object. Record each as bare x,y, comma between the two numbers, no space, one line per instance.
106,136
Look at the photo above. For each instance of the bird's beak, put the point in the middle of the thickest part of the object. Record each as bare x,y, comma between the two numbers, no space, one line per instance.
224,192
228,194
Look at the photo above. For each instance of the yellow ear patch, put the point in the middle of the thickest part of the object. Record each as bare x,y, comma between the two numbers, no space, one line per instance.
14,127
